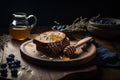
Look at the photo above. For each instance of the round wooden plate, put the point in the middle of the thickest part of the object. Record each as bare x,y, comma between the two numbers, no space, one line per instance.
29,52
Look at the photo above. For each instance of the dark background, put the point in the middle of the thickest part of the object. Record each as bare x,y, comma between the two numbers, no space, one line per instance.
63,11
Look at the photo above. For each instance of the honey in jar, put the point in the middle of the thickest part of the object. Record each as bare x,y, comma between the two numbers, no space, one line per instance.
20,28
20,33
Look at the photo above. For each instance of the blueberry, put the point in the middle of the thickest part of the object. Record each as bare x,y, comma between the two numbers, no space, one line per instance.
12,66
84,48
114,22
87,35
4,65
10,62
14,75
14,72
11,55
4,75
62,28
17,62
96,21
107,22
94,42
54,27
101,21
9,59
59,28
3,71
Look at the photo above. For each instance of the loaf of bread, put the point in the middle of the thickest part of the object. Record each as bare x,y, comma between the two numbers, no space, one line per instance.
51,42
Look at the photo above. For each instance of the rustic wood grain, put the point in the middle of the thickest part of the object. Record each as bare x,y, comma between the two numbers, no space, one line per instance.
87,72
40,72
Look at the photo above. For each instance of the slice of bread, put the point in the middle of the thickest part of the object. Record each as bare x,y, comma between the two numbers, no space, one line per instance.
52,42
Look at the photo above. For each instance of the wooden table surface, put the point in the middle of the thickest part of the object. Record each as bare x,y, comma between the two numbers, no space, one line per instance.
85,72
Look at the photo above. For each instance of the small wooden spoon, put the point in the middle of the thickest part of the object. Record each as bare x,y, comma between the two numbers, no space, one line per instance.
69,50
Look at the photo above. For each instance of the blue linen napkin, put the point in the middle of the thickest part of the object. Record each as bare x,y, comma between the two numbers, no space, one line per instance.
105,57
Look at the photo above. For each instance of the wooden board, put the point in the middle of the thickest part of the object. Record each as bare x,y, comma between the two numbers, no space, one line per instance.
29,52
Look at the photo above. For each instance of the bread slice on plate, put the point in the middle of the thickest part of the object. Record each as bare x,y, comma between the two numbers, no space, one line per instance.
51,42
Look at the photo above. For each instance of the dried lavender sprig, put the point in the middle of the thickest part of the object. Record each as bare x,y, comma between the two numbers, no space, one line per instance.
95,17
77,25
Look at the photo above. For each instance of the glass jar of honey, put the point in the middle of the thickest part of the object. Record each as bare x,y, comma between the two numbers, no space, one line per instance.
20,27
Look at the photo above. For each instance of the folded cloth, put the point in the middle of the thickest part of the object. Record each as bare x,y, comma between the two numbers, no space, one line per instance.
105,57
